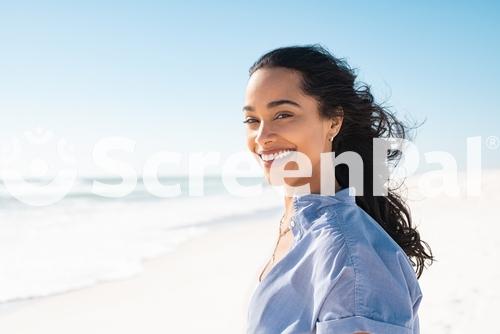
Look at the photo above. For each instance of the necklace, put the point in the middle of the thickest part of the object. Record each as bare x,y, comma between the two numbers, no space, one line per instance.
281,234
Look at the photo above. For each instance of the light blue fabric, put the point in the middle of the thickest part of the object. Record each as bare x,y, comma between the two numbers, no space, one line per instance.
343,274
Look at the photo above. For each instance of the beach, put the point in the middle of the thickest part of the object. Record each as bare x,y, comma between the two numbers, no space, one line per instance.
202,287
205,285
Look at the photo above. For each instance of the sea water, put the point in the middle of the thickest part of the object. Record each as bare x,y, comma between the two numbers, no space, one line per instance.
84,238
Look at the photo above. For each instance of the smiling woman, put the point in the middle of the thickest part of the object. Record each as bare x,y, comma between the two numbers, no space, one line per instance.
342,263
276,103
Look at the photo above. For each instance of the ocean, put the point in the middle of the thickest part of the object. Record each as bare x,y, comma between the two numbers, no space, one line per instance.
85,239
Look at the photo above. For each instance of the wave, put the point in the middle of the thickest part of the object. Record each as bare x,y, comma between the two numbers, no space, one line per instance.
84,240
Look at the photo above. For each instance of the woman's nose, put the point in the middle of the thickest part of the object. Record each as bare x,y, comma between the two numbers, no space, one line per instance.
265,134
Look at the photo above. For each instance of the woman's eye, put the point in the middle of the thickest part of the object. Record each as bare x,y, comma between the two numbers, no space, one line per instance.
286,115
253,120
249,120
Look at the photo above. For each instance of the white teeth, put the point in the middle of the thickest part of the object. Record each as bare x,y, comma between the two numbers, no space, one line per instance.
278,155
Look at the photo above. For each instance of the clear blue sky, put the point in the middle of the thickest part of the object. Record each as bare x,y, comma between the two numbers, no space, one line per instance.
172,76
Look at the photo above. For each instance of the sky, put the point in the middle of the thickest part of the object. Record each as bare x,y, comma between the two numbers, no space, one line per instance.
171,76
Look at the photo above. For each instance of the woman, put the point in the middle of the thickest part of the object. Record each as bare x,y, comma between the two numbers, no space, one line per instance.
343,263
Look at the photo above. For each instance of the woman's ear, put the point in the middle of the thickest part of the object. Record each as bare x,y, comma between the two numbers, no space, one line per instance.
336,124
337,120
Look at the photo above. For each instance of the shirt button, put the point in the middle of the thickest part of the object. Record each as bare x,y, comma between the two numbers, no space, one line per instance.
292,223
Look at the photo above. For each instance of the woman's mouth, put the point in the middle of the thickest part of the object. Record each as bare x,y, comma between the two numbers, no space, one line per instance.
268,159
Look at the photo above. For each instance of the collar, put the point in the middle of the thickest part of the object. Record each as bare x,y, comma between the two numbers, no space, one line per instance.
310,208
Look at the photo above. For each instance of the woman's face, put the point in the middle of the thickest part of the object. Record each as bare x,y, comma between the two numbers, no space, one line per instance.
280,117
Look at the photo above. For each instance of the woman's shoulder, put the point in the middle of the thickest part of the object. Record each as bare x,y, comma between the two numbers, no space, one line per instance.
368,247
369,275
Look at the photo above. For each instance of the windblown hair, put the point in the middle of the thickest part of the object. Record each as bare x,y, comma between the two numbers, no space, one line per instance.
333,83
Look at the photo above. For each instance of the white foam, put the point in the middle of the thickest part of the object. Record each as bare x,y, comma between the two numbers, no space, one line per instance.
80,242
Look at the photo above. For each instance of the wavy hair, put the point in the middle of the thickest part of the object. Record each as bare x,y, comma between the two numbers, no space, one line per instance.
333,83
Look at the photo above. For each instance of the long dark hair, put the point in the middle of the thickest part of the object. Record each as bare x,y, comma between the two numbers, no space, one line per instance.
332,82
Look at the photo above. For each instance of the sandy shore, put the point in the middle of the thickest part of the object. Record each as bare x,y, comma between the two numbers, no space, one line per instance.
202,287
205,286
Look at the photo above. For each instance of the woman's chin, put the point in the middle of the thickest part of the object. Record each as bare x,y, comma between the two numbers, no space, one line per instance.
289,182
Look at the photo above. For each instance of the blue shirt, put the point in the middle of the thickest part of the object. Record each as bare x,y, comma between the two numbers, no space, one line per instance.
343,274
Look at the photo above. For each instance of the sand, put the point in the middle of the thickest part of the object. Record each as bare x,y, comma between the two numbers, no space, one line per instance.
202,287
205,286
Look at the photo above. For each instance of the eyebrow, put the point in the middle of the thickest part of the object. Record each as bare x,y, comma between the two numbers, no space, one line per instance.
273,104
